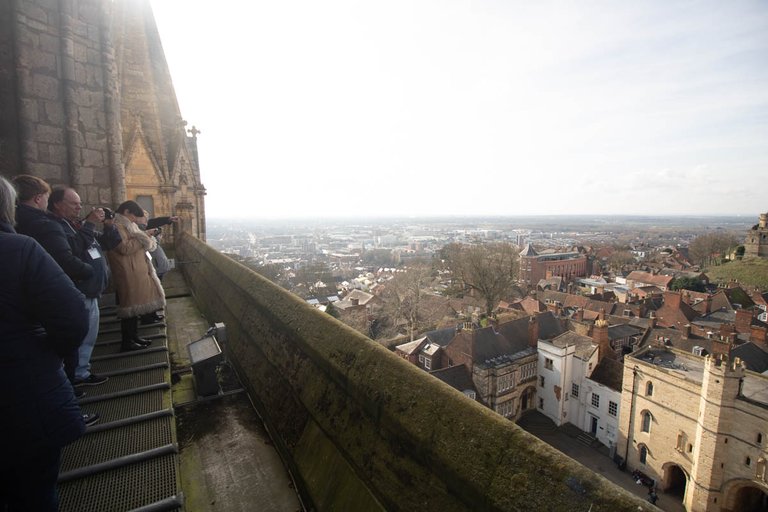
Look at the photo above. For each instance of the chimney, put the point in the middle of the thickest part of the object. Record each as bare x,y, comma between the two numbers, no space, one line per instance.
533,331
601,315
708,304
600,335
721,347
579,315
758,335
652,317
743,320
687,331
727,330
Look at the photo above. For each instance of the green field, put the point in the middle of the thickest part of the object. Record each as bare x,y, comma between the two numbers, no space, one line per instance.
748,272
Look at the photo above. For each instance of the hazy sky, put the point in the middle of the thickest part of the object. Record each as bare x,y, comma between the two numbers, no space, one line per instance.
427,107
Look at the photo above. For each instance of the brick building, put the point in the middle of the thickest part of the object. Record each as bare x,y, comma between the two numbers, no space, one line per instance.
534,266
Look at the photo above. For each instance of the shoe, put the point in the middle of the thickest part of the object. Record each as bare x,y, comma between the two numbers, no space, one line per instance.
131,346
152,318
79,393
91,380
144,342
90,419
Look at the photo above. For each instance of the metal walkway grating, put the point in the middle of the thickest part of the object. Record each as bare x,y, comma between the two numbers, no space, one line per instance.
124,488
129,459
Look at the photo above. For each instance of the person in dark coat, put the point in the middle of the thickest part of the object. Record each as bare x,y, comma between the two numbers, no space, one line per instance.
34,220
42,316
87,243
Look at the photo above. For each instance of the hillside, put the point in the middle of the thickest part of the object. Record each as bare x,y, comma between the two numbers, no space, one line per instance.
749,272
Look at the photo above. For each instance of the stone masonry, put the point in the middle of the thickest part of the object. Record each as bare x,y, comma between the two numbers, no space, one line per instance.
87,101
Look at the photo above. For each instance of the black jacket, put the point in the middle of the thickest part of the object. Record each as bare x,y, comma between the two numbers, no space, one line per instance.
77,250
46,229
158,222
88,246
42,315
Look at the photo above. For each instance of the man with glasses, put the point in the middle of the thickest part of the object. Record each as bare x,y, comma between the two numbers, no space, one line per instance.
87,245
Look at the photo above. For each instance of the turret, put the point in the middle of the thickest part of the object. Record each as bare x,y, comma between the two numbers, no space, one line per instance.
719,389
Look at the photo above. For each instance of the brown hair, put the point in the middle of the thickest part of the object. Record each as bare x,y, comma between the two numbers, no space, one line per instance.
131,207
29,186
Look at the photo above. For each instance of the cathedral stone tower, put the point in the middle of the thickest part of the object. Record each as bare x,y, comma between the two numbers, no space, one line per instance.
87,101
756,241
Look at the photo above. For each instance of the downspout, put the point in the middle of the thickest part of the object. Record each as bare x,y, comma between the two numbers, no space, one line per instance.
631,413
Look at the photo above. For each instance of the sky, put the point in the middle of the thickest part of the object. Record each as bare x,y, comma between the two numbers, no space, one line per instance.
416,108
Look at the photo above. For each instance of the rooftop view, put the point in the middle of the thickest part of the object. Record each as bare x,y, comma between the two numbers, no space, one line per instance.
423,256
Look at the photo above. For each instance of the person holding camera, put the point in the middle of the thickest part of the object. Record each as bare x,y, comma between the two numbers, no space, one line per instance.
88,239
52,218
153,228
139,291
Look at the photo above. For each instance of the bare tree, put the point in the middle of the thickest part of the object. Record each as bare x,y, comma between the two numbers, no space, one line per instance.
619,259
404,298
710,248
489,269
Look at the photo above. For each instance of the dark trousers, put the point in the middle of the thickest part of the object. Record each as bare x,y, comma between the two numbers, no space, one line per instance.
29,484
70,365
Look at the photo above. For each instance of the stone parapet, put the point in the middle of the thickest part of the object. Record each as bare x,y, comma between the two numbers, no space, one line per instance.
362,429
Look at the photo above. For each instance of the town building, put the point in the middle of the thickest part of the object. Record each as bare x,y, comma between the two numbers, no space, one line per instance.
535,266
579,382
697,426
500,359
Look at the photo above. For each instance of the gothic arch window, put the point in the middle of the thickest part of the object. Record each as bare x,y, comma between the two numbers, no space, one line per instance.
645,425
643,453
649,389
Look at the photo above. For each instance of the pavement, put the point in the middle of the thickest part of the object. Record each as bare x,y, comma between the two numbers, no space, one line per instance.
228,461
594,456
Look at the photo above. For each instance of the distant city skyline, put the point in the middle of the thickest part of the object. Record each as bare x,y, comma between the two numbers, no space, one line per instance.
426,108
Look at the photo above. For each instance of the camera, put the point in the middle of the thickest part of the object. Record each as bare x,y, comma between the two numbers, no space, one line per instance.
158,230
108,214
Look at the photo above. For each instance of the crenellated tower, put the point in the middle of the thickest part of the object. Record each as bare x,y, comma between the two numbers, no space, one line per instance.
756,241
720,388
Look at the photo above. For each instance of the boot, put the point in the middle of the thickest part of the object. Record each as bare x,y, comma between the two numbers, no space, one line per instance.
135,334
128,328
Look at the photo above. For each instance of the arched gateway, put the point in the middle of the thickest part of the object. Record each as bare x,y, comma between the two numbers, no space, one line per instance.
745,496
675,481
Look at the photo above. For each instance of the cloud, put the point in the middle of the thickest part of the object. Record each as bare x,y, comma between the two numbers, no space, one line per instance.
491,106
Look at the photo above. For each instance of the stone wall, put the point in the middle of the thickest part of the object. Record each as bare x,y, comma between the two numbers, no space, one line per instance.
56,88
364,430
